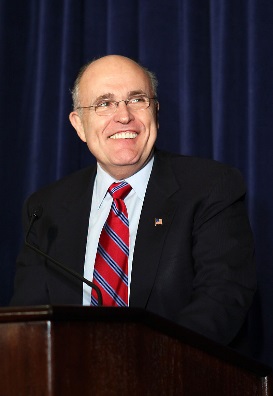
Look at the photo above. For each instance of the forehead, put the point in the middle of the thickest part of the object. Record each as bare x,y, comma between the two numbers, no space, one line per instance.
114,77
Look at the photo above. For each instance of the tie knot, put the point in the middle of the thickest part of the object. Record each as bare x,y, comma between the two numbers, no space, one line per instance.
119,190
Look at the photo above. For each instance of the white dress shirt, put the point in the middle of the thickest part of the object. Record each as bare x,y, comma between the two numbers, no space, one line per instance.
100,208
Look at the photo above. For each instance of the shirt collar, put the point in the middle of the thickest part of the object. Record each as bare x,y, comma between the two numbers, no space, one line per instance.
138,182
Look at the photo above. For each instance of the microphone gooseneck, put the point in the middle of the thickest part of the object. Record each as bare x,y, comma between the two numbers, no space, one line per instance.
36,214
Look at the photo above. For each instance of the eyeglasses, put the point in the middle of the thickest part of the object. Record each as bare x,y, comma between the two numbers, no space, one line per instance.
109,107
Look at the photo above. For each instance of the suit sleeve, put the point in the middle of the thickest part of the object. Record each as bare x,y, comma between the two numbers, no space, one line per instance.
223,255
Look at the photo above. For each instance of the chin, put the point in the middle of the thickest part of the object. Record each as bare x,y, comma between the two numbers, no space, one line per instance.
126,159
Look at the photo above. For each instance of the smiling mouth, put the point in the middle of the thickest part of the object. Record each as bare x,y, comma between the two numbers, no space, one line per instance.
124,135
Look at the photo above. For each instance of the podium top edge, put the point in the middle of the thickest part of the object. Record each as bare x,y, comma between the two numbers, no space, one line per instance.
74,313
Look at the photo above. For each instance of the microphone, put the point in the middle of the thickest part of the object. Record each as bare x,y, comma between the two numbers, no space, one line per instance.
36,214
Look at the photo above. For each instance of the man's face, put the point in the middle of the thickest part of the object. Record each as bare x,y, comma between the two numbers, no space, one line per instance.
122,141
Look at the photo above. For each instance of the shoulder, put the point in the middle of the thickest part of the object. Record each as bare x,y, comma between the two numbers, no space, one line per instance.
67,188
200,173
190,162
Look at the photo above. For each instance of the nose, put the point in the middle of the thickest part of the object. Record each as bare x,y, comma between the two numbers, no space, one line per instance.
123,114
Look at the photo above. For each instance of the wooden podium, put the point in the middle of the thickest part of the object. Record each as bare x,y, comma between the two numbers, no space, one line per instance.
65,351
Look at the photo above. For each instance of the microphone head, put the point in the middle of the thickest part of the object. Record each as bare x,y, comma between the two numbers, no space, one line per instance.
37,212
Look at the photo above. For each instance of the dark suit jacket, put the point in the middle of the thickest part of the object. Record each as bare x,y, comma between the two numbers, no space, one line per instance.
195,269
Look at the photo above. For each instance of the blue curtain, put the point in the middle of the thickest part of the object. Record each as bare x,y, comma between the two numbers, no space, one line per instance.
214,61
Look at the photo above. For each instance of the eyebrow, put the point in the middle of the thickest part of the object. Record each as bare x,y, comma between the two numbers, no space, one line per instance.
104,96
111,96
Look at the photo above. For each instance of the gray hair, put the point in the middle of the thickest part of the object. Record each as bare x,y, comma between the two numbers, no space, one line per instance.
75,90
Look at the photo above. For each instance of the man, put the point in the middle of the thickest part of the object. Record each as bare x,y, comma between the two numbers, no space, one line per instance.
191,248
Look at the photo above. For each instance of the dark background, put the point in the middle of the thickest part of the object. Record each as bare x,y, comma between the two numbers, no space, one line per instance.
214,62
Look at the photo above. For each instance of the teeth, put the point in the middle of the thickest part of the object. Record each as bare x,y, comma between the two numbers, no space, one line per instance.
124,135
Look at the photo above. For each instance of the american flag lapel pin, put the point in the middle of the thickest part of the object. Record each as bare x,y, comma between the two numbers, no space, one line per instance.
158,222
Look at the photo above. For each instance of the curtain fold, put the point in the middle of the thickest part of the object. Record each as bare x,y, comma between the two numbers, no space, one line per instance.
214,62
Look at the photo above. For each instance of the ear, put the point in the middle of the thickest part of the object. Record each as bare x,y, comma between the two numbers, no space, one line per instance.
157,114
76,122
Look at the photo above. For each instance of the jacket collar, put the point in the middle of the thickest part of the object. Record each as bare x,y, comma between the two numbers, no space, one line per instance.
160,203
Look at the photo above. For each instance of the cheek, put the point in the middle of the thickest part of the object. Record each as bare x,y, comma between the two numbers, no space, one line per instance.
94,131
96,138
152,128
152,139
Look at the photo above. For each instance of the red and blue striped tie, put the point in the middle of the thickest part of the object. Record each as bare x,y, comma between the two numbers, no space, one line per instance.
111,264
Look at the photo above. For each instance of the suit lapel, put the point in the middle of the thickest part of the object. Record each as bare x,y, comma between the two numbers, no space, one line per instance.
72,231
160,203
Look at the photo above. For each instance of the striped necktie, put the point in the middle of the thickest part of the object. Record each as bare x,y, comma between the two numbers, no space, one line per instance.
111,263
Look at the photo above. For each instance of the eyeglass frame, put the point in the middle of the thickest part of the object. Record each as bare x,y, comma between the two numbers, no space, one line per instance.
116,103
